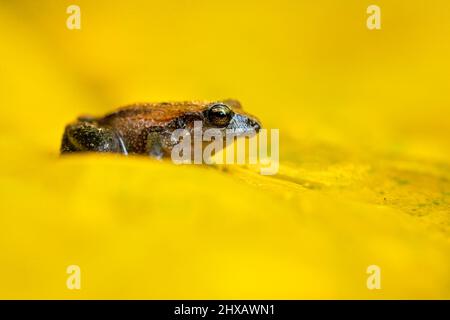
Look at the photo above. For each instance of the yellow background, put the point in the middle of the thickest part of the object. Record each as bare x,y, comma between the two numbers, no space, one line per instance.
364,148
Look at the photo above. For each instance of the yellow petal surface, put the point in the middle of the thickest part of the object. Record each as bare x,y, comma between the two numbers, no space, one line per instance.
364,178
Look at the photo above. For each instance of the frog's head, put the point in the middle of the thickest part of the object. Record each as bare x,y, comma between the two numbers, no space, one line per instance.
227,116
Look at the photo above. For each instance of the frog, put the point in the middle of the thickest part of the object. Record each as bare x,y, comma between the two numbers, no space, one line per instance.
146,128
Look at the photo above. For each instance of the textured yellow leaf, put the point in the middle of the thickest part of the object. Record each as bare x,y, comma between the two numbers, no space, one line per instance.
364,176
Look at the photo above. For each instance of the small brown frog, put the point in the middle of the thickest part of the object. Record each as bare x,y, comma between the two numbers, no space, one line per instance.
147,128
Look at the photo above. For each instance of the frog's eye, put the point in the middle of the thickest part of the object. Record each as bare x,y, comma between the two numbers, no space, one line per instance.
219,114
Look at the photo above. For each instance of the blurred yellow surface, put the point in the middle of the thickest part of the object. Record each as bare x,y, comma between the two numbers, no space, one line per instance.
364,119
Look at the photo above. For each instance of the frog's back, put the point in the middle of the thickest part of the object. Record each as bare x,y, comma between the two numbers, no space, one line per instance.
134,122
153,114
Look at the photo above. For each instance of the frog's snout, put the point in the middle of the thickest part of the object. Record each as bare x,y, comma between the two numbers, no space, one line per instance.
254,124
244,123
